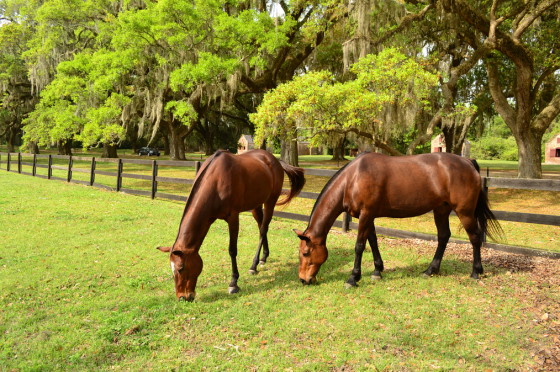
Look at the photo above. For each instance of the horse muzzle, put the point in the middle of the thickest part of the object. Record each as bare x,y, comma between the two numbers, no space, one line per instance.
309,281
189,297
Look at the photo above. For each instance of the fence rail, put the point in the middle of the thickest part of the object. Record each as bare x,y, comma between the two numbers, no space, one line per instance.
13,162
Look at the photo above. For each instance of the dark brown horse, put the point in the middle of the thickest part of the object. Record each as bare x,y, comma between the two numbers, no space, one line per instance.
375,185
225,186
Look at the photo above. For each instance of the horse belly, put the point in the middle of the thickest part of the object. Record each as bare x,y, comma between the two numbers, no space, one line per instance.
250,194
398,201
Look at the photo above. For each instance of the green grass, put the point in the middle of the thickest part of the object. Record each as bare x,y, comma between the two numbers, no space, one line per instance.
518,234
83,288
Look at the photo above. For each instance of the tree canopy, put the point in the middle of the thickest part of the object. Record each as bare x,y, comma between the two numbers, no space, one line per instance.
392,74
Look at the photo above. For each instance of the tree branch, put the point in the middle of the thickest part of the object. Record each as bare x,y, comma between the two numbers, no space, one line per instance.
531,16
500,100
545,117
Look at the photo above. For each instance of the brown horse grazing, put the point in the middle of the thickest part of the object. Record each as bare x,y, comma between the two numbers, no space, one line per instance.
375,185
225,186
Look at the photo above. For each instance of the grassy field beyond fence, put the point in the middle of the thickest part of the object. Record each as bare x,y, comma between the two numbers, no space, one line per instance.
83,288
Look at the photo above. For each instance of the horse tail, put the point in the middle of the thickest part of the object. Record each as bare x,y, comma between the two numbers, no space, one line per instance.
297,181
487,222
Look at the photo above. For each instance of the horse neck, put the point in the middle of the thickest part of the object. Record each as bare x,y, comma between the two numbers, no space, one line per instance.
327,209
194,225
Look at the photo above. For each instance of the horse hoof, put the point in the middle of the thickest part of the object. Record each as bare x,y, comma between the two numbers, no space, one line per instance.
349,286
233,290
425,275
253,272
262,262
376,277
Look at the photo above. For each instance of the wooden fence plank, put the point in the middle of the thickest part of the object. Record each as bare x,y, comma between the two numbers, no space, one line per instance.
319,172
171,196
136,176
184,181
542,219
527,184
135,192
105,173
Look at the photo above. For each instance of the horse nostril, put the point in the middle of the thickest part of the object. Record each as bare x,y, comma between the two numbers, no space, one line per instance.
188,298
302,281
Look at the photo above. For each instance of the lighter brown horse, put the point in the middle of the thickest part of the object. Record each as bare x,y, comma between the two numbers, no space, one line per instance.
376,185
225,186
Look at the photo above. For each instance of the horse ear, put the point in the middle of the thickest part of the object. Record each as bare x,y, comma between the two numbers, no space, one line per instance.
164,249
300,234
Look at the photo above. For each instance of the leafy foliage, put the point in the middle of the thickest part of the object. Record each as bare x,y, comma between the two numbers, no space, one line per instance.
315,105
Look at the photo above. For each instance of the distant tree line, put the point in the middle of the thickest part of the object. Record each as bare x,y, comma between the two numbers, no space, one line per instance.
179,73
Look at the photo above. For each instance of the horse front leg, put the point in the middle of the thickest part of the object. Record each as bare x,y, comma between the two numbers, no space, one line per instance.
377,261
363,232
233,224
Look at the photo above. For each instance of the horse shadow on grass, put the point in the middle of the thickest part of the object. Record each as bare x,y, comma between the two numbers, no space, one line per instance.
337,269
279,274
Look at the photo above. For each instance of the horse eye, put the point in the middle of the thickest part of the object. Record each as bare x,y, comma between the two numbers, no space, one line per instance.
306,254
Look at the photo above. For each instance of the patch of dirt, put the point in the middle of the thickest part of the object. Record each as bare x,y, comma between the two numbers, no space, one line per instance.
539,292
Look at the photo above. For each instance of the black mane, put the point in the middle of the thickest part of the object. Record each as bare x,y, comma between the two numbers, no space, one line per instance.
198,180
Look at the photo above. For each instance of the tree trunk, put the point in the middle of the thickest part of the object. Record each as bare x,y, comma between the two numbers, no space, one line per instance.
166,147
176,143
289,153
33,148
338,151
529,151
109,151
209,147
65,147
10,140
294,158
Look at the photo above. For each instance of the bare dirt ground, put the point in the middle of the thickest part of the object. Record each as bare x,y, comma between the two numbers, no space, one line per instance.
538,291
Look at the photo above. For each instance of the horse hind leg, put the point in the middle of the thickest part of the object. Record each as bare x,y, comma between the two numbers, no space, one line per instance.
233,224
475,236
441,218
263,220
377,260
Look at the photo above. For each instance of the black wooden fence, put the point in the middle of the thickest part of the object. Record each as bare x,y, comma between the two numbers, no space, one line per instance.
13,162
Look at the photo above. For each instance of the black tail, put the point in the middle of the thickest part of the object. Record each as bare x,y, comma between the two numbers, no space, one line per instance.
297,181
487,222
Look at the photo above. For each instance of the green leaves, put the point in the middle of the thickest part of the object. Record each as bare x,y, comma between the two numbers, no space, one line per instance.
324,110
209,69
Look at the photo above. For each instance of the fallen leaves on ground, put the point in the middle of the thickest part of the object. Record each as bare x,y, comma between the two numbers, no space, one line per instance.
539,292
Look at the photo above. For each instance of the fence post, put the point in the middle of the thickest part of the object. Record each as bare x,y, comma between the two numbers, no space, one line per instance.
49,168
34,171
346,218
92,172
69,177
197,166
154,175
8,163
119,174
19,162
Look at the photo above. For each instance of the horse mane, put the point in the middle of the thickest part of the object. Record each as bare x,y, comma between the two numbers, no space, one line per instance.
475,165
329,183
199,179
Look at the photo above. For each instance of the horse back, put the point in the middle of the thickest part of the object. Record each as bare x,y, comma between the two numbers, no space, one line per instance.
411,185
242,182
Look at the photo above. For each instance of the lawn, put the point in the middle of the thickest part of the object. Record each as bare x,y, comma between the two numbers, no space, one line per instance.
83,288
